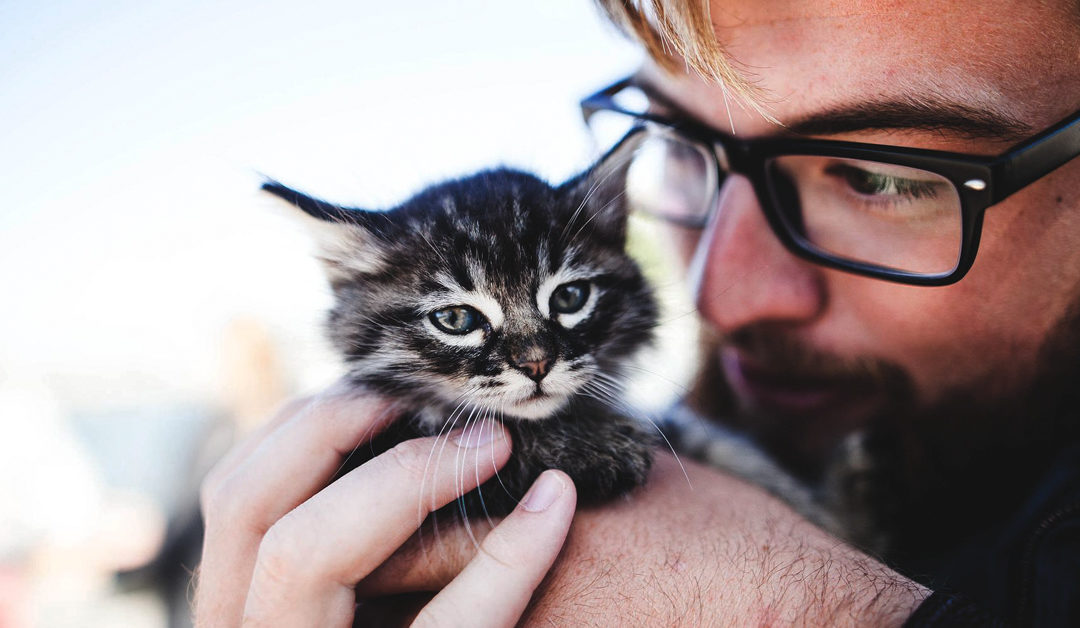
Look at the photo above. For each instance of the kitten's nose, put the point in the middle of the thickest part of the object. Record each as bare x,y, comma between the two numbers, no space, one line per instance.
535,369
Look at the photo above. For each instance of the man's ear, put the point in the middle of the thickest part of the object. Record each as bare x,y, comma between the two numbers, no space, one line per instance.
598,200
345,242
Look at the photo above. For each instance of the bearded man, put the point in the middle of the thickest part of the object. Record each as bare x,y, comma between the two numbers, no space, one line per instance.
879,209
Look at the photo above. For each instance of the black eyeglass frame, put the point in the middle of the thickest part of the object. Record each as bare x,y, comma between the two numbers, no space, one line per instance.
980,181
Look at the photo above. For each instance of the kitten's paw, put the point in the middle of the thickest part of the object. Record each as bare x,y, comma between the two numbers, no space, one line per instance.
611,477
613,460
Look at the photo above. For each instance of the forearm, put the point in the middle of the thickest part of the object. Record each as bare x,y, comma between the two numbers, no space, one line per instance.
742,558
720,553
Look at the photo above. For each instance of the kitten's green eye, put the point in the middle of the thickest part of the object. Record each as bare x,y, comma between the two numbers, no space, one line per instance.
570,297
457,319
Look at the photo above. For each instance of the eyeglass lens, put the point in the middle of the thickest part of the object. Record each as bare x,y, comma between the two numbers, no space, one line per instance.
876,213
869,212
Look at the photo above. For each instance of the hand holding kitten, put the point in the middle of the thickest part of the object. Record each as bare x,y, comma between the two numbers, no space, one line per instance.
716,552
283,548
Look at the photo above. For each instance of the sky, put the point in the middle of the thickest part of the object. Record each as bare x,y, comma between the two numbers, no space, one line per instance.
133,136
133,139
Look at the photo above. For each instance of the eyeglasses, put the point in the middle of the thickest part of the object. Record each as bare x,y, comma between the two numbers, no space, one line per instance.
901,214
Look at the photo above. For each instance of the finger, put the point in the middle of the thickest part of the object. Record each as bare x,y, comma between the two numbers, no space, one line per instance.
310,560
289,465
496,586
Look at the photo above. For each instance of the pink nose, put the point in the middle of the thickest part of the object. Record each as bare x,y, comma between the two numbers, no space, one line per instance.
535,369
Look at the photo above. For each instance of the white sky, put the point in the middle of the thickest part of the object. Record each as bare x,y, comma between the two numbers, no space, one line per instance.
131,134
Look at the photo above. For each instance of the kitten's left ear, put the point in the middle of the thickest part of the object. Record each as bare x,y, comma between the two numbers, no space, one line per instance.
346,243
598,200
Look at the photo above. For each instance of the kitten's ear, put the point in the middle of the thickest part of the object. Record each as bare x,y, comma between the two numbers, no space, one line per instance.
598,200
347,246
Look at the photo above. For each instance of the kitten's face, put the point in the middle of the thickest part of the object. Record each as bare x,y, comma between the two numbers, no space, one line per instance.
497,293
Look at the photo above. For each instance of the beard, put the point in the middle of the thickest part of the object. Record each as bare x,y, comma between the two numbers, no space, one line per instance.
911,479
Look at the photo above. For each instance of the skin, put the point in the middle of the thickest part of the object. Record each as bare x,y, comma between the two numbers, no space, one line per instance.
981,333
263,566
723,552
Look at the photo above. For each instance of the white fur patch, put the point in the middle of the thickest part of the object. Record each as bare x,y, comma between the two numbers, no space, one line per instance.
535,408
384,359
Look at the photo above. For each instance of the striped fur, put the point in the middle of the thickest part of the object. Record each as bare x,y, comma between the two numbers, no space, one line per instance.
502,243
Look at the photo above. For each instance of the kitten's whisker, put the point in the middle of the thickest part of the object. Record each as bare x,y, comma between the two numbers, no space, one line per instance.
581,206
498,477
421,513
698,419
611,381
458,465
604,389
486,416
433,508
596,213
459,476
492,417
683,389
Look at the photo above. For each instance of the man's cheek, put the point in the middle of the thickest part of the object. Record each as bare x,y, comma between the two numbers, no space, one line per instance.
912,327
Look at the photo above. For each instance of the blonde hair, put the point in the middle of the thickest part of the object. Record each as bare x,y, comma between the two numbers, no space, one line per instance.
675,32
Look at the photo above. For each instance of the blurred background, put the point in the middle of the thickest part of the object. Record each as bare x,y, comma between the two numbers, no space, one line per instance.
153,306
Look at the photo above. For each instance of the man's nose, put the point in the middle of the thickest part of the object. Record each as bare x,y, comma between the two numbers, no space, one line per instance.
743,273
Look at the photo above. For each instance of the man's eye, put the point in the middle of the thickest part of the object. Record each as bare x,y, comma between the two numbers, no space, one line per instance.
570,297
879,184
457,319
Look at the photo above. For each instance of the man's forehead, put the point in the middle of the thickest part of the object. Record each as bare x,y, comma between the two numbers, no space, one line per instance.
727,13
952,15
817,58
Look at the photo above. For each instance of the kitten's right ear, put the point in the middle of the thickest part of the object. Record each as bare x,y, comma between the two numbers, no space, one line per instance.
346,245
598,199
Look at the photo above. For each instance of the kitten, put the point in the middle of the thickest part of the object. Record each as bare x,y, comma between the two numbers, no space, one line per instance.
496,297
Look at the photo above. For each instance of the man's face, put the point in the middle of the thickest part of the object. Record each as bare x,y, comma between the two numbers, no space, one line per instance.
811,347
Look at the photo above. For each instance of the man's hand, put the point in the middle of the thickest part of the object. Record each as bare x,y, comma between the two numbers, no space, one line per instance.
283,548
720,553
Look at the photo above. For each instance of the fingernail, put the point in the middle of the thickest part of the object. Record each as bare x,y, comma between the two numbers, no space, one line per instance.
543,493
476,435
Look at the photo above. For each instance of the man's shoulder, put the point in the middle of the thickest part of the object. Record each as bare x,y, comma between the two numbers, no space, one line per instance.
1026,568
1046,563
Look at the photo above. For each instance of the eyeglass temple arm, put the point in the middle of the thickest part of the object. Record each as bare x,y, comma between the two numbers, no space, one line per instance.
1037,157
603,99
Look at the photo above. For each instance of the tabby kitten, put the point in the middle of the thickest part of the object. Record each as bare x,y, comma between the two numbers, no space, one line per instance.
496,297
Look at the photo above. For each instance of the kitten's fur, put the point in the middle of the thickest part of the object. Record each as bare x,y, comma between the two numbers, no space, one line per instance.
506,245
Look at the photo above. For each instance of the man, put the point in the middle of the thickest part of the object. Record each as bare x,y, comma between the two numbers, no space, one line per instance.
963,391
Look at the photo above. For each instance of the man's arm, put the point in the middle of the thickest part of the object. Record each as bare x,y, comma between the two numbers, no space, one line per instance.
717,551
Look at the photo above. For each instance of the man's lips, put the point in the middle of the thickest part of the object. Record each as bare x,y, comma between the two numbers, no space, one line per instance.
773,390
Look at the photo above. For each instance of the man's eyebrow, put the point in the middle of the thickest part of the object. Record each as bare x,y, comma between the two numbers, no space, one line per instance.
921,114
930,113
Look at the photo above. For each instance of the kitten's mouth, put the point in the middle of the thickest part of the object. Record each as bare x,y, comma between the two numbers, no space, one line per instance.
538,405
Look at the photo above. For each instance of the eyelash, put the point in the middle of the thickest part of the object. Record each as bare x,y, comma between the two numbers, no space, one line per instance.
885,185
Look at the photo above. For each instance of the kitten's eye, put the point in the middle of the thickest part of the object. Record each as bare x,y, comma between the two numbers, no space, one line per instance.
457,319
570,297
